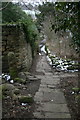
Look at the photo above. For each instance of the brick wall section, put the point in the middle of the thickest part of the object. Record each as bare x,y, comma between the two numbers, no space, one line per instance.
13,40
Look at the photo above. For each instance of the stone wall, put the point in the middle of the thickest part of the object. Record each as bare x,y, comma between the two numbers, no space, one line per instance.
13,40
57,43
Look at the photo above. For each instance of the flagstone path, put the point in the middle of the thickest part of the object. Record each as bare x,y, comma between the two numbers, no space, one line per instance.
50,101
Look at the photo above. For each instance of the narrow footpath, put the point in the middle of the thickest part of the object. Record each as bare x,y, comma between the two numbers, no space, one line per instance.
50,101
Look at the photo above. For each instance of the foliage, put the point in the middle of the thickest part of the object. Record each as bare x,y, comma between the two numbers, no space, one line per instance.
26,99
32,33
7,90
16,91
65,18
46,9
12,65
19,80
76,89
14,14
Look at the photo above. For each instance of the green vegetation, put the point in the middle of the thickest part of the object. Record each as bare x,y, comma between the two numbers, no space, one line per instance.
7,90
16,91
19,80
73,67
12,65
13,14
76,89
13,72
25,99
78,99
65,18
31,33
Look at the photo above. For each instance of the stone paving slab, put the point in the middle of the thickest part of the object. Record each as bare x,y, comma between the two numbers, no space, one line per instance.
47,71
39,115
39,94
52,115
55,97
52,96
50,101
50,81
33,79
68,75
54,108
38,99
48,74
43,85
51,86
40,71
57,115
45,89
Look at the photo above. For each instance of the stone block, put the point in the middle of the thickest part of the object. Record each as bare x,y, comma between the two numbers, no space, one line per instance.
38,115
57,115
55,108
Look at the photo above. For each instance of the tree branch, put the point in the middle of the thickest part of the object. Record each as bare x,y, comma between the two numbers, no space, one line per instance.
4,6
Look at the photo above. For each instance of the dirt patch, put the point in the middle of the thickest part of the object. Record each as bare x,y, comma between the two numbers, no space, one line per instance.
67,83
34,64
12,108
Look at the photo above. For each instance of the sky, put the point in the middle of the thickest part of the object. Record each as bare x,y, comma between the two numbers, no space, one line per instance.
39,1
34,2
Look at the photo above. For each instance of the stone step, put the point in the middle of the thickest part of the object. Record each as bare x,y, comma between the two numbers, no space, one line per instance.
55,108
54,96
58,115
32,78
50,101
50,115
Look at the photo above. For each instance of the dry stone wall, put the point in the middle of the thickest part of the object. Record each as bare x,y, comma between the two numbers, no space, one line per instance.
13,40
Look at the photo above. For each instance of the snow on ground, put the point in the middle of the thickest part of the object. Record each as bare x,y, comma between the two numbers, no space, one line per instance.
59,63
43,49
7,78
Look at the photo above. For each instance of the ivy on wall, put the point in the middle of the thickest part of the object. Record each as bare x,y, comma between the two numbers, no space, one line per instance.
13,14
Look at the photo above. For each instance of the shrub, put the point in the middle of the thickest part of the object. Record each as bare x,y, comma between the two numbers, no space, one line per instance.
12,65
76,89
7,90
19,80
13,72
25,99
16,91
